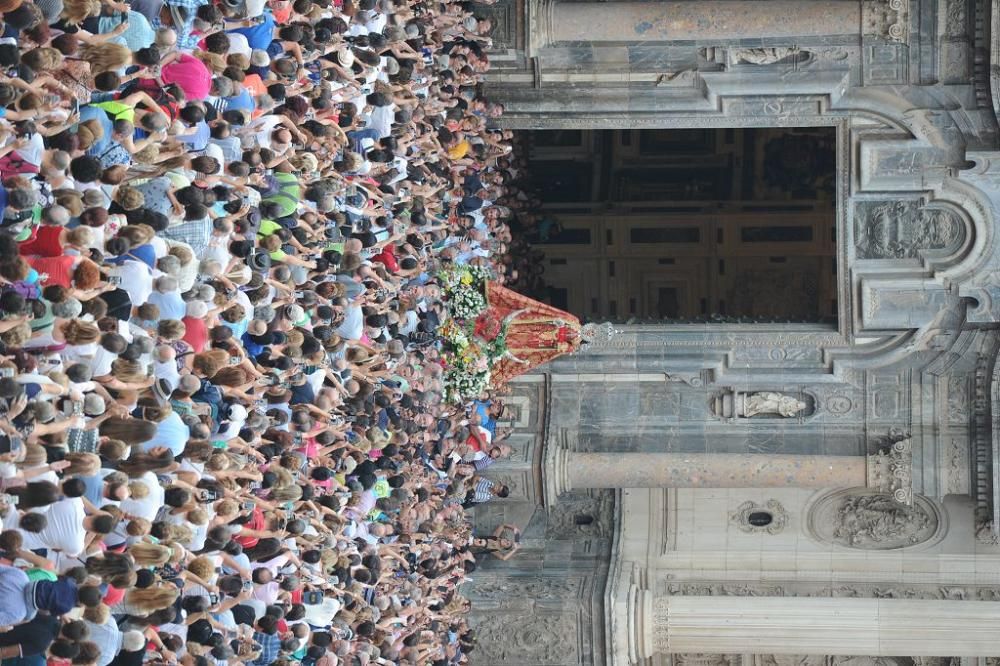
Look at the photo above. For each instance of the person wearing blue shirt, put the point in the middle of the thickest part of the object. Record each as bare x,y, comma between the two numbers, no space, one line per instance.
260,34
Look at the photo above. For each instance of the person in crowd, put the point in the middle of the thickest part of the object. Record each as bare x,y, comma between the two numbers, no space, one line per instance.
224,433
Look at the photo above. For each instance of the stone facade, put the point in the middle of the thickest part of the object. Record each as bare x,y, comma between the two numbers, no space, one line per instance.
910,87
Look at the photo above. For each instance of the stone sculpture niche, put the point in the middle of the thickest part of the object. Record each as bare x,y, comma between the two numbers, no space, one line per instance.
768,55
865,520
761,405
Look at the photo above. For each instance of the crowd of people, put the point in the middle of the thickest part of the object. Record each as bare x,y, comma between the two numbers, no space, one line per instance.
223,437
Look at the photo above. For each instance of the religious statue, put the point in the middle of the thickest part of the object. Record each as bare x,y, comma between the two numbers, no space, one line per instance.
536,332
771,402
492,334
765,55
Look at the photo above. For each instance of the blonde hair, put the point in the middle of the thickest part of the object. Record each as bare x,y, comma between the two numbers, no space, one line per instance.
203,567
106,56
34,456
149,554
43,59
79,236
179,533
82,464
136,234
146,600
128,371
76,11
129,197
79,332
138,490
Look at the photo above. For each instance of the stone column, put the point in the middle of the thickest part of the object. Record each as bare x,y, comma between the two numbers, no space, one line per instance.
888,471
702,21
820,625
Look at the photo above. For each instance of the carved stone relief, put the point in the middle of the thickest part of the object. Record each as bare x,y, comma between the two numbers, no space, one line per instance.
525,588
761,405
753,518
581,518
768,55
866,520
856,590
886,19
902,229
791,660
528,639
890,471
707,660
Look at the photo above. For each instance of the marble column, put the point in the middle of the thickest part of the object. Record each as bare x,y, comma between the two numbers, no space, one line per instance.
820,625
888,471
703,21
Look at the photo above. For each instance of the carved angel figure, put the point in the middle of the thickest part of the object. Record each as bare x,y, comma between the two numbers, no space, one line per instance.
772,402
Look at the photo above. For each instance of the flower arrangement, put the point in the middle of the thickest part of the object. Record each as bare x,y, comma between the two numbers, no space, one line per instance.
472,339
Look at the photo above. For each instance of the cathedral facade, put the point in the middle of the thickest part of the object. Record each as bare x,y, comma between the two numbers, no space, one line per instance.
716,481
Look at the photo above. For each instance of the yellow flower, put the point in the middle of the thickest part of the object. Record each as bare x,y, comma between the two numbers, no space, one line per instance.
466,279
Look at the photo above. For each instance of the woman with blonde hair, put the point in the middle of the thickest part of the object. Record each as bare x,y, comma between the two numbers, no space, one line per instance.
106,56
143,601
77,11
43,59
146,554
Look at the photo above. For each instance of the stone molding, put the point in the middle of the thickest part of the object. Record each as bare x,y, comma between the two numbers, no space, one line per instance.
891,471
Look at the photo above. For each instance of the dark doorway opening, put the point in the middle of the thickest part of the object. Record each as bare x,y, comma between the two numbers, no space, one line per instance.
730,224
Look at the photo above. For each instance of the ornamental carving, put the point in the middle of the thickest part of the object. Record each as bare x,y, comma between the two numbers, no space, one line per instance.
768,55
865,520
753,518
581,518
891,470
855,591
527,639
535,588
886,19
903,229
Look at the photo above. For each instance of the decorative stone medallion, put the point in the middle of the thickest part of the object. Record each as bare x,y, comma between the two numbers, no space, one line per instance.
753,518
863,519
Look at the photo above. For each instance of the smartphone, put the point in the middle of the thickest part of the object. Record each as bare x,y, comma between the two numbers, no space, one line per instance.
12,500
234,360
6,372
208,496
297,438
114,280
213,599
247,505
77,408
254,485
248,585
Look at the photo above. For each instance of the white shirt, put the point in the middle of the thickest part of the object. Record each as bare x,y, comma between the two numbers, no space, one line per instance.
148,506
64,530
136,280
